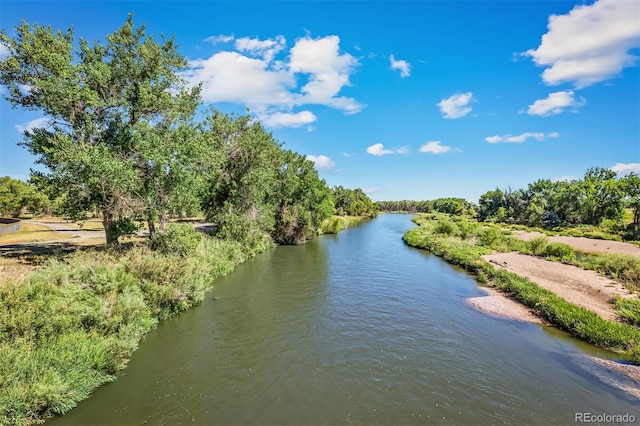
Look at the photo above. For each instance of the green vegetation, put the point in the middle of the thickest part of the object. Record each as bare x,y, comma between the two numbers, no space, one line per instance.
335,223
594,204
72,324
437,233
17,198
456,206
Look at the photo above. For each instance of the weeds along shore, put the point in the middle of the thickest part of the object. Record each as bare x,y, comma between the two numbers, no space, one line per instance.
462,242
72,324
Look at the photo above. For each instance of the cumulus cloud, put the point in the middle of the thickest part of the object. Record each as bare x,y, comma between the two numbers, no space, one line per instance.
378,150
33,124
626,168
539,136
233,77
589,44
322,162
435,147
287,119
251,75
555,103
403,66
327,71
456,106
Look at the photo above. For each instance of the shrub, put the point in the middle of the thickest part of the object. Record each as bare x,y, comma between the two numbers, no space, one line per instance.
181,239
489,236
445,227
538,245
560,251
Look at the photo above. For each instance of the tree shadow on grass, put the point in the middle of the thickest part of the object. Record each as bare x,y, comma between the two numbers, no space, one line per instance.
36,253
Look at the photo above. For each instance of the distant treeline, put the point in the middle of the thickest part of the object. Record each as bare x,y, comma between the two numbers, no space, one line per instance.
598,199
457,206
599,196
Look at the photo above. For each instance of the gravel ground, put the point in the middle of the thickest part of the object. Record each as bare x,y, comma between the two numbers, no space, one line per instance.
588,245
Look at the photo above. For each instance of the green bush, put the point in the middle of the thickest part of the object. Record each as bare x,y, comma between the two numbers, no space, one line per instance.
490,236
180,239
538,245
445,227
560,251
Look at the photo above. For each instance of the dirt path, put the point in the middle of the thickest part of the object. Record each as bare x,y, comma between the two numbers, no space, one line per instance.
587,289
70,230
589,245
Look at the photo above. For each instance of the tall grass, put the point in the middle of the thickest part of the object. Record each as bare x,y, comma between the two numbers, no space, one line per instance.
72,324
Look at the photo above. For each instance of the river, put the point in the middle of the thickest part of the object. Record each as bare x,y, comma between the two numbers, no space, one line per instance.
350,328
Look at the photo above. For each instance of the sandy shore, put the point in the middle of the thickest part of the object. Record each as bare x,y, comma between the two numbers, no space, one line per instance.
587,289
499,305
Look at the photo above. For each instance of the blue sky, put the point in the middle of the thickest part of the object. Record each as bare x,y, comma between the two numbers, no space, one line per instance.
407,100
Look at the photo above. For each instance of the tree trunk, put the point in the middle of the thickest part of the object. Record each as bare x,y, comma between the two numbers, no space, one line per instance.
151,224
162,219
109,230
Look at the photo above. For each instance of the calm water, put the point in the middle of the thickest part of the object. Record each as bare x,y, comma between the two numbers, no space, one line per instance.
353,328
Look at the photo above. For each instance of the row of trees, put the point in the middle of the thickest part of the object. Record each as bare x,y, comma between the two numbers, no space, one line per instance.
599,195
457,206
123,140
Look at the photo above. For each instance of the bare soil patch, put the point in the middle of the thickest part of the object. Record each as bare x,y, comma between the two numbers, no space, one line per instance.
587,245
587,289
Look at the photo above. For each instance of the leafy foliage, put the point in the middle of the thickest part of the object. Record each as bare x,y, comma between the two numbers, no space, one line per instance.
16,198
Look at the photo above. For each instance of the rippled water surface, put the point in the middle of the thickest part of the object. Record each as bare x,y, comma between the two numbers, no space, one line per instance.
351,328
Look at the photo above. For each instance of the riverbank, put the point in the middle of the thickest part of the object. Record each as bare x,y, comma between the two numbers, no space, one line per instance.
465,243
72,324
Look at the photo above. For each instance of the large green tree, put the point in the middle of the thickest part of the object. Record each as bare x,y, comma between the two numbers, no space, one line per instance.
115,110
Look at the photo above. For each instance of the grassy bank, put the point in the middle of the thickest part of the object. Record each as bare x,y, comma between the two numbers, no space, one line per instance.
336,223
72,324
464,243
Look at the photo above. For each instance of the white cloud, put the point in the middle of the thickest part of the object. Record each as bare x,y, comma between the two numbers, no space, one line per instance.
287,119
33,124
625,169
403,150
4,51
371,190
220,39
266,49
327,70
252,76
322,162
555,103
435,147
378,150
456,106
403,66
539,136
589,44
232,77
